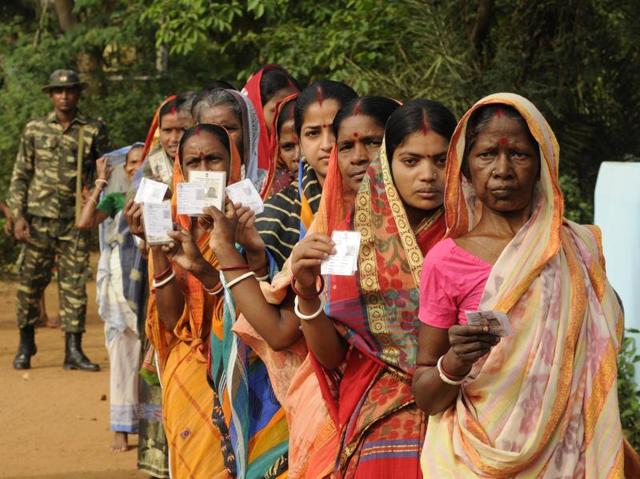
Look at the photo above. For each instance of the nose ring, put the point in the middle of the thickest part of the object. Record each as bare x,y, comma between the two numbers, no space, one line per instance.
493,172
435,175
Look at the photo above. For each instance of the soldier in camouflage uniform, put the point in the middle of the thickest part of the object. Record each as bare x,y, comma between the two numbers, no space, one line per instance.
42,199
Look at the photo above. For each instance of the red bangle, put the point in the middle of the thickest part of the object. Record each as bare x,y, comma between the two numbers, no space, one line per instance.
307,296
166,272
237,267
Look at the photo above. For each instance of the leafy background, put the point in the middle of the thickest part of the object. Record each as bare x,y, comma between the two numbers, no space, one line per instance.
577,60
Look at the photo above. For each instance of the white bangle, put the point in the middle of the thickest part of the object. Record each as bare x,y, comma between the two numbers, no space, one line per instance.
263,278
305,317
445,378
160,284
100,180
212,291
233,282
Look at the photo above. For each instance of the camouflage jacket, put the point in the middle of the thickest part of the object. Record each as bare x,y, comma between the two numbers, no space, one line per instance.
43,182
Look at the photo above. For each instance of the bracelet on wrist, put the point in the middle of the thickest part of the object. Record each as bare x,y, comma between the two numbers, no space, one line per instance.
101,181
448,378
163,274
213,291
160,284
263,277
239,279
306,317
90,198
307,296
236,267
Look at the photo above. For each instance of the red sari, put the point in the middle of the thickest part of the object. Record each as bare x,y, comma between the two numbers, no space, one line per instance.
380,429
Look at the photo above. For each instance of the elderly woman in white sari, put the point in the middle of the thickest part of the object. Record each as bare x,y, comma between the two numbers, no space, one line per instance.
104,207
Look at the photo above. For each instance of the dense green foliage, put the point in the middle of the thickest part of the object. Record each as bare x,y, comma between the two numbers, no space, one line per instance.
628,392
577,60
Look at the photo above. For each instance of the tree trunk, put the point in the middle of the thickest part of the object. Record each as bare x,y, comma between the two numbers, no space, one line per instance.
66,18
483,22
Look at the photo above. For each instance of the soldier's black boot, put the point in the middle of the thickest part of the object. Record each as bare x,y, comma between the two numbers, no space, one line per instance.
74,358
26,349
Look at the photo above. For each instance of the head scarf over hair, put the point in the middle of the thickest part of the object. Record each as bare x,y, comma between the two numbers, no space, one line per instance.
544,402
376,307
266,158
252,153
275,137
156,162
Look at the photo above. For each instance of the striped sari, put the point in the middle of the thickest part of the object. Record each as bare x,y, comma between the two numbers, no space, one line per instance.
543,403
288,214
255,437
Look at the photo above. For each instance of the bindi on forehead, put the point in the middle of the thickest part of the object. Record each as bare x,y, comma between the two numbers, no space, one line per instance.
356,135
503,141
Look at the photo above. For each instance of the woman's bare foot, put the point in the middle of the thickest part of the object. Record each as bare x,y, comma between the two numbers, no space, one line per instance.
119,443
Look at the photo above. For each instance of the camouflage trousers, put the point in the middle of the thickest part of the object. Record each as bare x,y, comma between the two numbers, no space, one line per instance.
51,238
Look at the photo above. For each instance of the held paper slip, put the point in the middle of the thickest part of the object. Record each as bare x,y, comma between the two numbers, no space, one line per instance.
498,322
157,222
213,183
345,261
150,191
190,199
244,192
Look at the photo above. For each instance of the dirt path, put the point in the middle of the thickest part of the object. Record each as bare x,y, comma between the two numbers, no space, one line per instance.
54,424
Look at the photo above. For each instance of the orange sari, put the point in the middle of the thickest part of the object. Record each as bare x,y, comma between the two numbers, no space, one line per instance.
195,444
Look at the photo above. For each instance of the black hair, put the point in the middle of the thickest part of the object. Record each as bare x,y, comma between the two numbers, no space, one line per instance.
377,107
480,118
319,91
417,115
181,104
216,130
213,84
273,80
286,114
135,146
209,99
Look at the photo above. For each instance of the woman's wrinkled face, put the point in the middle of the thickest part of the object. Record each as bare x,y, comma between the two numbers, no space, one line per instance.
359,141
269,108
204,152
504,165
134,161
316,135
418,167
225,116
289,147
172,126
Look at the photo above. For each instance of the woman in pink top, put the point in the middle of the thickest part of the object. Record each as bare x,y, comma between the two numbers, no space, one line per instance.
542,401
